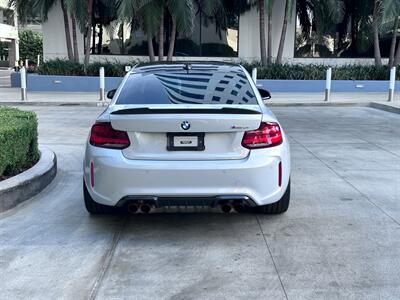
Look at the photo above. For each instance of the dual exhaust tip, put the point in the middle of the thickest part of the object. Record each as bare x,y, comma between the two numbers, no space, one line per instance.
228,207
135,207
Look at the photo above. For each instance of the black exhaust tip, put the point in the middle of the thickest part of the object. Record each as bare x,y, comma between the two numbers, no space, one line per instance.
238,208
132,208
226,208
145,208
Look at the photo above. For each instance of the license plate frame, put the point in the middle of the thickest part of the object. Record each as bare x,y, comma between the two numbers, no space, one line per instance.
171,141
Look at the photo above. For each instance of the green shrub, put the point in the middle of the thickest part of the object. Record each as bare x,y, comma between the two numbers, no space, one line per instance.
30,45
18,140
274,71
65,67
318,72
61,67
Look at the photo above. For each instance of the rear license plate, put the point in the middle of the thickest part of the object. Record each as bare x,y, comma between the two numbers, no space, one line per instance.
185,142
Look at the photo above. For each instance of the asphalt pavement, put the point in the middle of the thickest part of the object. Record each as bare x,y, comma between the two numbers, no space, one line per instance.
340,238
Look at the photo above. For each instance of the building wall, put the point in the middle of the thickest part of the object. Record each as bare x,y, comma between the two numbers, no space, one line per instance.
249,41
54,45
249,33
54,42
9,33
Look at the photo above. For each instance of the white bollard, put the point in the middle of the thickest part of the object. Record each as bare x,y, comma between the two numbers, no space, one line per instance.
392,84
254,75
23,84
328,84
102,85
38,60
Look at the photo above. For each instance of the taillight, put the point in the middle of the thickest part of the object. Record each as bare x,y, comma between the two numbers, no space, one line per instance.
268,135
103,135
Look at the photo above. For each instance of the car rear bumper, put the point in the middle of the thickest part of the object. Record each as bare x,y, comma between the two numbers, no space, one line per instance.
117,178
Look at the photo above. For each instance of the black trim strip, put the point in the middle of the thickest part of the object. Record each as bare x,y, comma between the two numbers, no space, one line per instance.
148,111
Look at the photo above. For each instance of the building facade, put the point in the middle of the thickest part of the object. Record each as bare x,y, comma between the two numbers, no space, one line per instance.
238,41
9,50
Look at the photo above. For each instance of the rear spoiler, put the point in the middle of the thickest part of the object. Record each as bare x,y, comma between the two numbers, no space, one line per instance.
223,110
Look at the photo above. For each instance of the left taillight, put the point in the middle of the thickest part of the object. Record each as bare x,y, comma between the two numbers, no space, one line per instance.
104,136
267,135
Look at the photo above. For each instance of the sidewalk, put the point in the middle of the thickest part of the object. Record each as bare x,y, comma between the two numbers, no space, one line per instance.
12,96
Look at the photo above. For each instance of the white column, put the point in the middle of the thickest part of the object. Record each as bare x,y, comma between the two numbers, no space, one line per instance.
392,84
254,75
23,84
328,84
102,84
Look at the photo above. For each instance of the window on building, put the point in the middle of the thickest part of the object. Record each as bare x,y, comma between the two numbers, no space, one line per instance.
7,17
209,38
350,36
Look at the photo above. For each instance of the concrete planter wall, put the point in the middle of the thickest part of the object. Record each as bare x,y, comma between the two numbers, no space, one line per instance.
312,86
49,83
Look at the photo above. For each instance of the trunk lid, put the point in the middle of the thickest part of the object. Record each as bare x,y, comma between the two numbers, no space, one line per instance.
152,130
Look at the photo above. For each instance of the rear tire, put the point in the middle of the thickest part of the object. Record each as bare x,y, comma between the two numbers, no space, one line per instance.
278,207
92,206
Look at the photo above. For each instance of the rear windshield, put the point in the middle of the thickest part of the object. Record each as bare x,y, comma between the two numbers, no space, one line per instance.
179,87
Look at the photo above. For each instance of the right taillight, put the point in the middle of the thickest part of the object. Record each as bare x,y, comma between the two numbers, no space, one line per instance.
104,136
267,135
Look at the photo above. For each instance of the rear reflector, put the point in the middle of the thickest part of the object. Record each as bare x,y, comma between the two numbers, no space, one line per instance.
104,136
92,174
280,174
268,135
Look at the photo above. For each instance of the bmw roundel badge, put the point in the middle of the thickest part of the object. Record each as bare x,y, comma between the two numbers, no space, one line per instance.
185,125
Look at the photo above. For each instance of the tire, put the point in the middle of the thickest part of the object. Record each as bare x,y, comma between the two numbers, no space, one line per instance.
93,207
278,207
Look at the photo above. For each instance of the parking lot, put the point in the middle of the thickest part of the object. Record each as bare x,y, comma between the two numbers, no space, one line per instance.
340,238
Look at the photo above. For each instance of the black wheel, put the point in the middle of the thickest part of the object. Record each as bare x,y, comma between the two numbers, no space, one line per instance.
93,207
278,207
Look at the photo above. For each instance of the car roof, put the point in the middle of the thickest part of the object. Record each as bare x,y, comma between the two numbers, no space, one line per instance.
209,66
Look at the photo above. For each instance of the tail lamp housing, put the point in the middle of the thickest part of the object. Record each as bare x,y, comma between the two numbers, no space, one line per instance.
104,136
268,135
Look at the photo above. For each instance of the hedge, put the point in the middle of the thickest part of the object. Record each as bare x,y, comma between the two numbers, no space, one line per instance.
318,72
274,71
18,141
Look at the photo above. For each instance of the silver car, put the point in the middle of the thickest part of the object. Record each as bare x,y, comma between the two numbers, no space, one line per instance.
190,133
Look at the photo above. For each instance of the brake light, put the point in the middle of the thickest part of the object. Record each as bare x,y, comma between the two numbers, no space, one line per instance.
104,136
268,135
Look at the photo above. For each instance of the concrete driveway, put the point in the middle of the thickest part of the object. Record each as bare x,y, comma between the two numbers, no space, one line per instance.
340,238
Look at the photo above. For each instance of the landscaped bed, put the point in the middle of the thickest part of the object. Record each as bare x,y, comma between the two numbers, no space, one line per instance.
18,141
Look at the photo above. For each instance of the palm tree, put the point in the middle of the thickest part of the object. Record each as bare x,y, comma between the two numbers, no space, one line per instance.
288,13
42,8
152,15
376,19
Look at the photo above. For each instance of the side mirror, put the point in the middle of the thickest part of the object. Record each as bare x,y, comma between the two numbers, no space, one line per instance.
110,94
265,95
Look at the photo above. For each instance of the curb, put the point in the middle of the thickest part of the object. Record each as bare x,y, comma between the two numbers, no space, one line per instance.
386,107
21,187
42,103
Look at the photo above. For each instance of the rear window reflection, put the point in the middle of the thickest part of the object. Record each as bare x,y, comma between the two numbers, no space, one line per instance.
179,87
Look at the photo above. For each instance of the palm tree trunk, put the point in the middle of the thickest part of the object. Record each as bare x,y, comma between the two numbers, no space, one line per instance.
67,31
161,39
283,34
100,43
269,37
172,40
377,50
397,56
74,38
263,50
150,47
394,41
89,30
